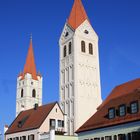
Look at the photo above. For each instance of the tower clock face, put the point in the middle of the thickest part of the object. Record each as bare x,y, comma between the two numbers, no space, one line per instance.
67,34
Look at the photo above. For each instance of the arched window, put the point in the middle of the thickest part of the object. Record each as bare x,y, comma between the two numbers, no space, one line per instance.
65,51
22,92
90,48
69,47
34,93
83,49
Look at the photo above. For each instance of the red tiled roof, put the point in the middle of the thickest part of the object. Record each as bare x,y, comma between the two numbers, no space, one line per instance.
30,66
33,118
78,14
121,90
123,94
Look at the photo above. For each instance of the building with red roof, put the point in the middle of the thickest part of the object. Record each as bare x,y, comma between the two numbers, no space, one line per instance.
117,118
33,123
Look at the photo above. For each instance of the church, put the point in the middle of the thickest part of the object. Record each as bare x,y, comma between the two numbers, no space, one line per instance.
80,112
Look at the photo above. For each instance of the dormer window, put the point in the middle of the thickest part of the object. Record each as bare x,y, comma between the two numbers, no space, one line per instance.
134,107
22,121
122,110
111,113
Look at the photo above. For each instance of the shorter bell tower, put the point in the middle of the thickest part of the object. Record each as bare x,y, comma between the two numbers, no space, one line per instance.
29,84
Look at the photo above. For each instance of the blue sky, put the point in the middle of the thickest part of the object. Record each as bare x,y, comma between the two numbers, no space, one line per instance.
117,23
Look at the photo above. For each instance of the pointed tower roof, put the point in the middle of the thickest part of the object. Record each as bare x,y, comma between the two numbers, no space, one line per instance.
78,14
30,66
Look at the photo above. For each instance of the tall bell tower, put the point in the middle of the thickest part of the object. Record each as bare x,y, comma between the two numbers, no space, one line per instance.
29,84
80,89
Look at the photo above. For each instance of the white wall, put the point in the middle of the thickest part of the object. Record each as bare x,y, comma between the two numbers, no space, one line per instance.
80,93
28,84
110,131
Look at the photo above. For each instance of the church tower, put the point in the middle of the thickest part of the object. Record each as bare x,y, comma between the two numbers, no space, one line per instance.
29,84
80,89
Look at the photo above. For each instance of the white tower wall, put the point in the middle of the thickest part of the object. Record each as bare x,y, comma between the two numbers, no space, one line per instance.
80,92
28,85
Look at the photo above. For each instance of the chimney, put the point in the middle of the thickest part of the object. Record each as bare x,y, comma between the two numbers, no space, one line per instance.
35,106
5,128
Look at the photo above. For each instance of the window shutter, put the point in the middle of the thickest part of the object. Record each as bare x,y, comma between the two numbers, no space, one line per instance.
62,123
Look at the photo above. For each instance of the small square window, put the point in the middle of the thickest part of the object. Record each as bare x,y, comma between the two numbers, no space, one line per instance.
134,107
111,113
122,110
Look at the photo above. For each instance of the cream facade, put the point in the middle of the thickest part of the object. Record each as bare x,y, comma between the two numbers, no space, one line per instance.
80,90
53,136
128,130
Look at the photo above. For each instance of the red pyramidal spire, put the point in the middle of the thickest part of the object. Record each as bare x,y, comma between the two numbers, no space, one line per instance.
78,14
30,66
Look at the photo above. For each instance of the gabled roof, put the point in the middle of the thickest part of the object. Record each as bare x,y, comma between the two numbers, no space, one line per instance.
123,94
30,119
78,15
30,66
